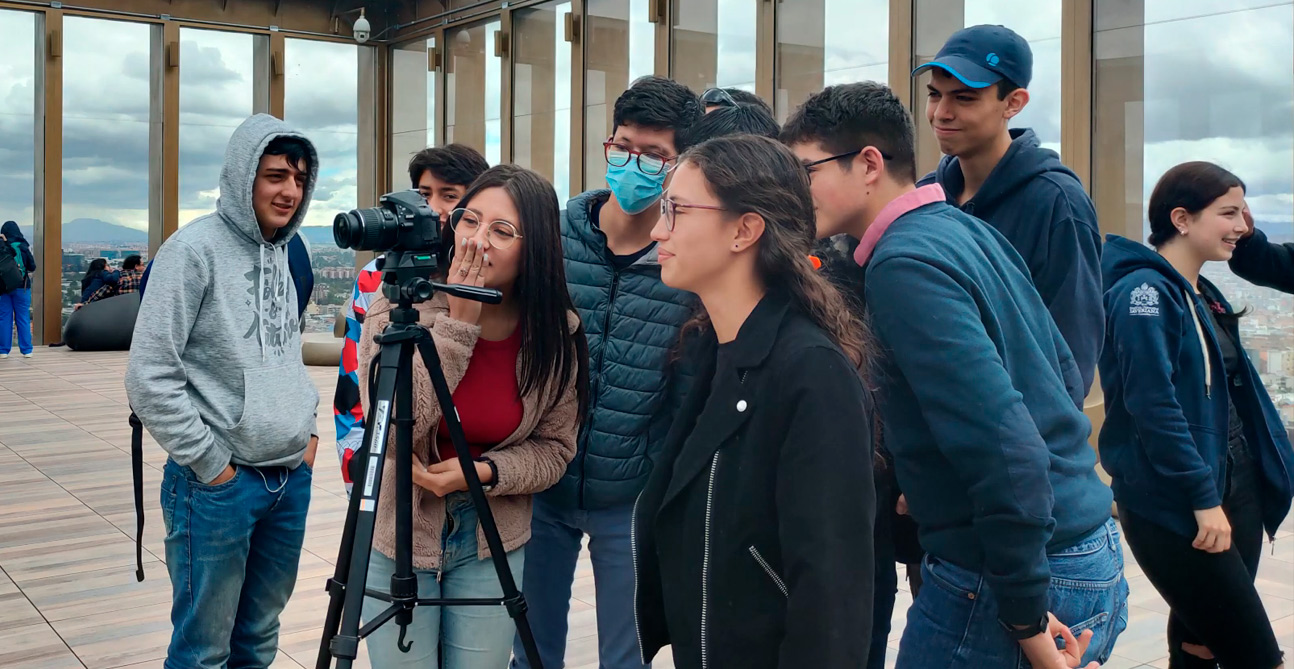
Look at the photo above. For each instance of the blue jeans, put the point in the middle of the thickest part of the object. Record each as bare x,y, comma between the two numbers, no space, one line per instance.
232,551
474,637
15,307
954,621
554,548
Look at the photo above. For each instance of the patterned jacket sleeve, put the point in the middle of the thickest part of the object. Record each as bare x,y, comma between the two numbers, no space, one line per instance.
348,412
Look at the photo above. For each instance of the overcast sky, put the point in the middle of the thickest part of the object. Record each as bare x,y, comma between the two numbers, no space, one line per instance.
1230,105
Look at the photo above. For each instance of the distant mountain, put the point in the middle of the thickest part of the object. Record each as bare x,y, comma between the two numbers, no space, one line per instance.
94,231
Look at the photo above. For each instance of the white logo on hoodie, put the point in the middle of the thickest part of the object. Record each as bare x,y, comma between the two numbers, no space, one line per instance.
1144,301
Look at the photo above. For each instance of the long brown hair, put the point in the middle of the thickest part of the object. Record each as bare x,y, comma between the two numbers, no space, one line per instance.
753,174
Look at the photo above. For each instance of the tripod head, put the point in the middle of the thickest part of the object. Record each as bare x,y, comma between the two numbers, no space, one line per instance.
406,281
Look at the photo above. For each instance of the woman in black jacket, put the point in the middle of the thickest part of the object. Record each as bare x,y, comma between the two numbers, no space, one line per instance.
753,538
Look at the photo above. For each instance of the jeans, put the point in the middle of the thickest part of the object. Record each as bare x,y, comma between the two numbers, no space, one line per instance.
471,637
15,307
232,551
954,621
1198,586
551,555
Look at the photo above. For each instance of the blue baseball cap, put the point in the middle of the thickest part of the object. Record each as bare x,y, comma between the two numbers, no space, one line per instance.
980,56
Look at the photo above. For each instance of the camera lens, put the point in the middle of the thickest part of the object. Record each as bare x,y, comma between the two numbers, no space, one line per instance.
365,229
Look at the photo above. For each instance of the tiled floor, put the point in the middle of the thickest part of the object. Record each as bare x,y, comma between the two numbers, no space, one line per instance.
68,595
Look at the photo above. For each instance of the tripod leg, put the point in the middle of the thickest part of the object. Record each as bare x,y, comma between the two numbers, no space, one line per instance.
512,597
346,590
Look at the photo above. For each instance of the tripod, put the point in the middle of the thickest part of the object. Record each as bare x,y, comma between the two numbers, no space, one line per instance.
347,588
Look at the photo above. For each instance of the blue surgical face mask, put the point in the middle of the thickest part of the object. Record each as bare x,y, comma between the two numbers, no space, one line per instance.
634,190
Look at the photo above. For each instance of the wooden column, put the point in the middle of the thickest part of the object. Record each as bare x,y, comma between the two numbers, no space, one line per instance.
48,293
901,50
1076,88
170,122
278,66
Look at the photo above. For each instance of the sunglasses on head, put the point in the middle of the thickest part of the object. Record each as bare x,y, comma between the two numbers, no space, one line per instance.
717,97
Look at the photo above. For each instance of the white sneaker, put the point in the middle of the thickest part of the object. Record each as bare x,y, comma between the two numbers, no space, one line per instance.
26,355
3,356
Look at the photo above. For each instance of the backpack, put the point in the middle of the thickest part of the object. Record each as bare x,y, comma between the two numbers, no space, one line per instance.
304,277
12,274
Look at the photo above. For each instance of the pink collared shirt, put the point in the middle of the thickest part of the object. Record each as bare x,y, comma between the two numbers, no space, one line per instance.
897,207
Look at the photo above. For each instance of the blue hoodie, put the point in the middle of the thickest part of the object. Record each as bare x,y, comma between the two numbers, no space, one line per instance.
1164,441
1040,206
978,401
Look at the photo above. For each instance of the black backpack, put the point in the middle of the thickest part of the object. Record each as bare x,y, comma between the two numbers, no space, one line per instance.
12,274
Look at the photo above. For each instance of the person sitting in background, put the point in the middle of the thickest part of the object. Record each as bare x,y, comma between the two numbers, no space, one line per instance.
132,273
99,282
441,174
15,305
718,98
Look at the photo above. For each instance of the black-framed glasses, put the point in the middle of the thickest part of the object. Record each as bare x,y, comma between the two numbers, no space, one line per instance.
717,97
841,156
669,209
648,163
500,234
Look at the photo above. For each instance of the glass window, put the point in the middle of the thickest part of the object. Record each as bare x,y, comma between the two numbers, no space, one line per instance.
702,55
541,93
18,130
619,47
413,109
216,92
321,100
1161,99
1038,21
106,126
825,42
474,89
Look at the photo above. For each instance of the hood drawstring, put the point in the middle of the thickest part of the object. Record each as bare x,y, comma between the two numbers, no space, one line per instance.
283,278
260,301
1204,345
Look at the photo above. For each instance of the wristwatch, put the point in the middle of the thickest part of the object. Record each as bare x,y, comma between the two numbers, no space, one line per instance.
1022,633
494,474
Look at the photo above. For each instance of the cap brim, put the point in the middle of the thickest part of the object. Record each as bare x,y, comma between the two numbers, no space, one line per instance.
970,73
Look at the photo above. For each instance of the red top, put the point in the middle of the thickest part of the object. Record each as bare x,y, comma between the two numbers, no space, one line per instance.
488,398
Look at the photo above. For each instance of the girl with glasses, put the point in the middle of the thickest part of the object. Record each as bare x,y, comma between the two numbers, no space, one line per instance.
518,373
753,537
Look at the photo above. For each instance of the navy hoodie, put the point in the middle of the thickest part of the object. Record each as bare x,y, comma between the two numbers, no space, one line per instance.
1040,206
1261,262
1164,441
979,399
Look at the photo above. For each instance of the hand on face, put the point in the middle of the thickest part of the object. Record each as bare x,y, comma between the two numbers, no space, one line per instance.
470,268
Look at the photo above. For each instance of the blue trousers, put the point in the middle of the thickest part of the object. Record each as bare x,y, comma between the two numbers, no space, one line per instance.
15,307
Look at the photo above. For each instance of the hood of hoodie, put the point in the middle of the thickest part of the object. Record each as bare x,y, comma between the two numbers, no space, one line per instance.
578,224
238,176
12,232
1023,161
1122,256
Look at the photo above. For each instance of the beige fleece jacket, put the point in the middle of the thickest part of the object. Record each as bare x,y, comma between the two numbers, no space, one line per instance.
529,461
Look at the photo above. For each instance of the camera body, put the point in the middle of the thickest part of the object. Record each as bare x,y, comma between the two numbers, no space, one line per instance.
402,222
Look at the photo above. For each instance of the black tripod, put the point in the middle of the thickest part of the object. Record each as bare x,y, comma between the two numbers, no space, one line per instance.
403,284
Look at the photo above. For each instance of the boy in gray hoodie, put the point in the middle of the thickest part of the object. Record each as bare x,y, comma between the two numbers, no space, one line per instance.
216,376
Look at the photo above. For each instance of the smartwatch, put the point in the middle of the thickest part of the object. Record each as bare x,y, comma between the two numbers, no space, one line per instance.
494,474
1030,631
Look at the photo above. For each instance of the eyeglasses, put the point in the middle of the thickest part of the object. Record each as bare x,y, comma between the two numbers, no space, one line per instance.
808,167
717,97
669,209
648,163
500,234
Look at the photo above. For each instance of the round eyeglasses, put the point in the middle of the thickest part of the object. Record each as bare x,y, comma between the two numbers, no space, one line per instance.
500,234
648,163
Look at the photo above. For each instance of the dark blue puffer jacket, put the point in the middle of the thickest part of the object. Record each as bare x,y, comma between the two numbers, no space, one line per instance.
632,322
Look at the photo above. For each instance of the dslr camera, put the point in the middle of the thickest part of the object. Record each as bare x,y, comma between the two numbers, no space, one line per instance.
401,222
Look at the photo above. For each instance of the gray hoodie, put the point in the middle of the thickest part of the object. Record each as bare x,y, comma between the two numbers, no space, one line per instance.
215,369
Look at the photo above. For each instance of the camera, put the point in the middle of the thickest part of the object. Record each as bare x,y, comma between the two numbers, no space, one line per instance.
362,31
402,222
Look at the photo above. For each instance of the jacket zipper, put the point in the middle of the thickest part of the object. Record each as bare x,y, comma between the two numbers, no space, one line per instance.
602,359
705,564
633,551
769,570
